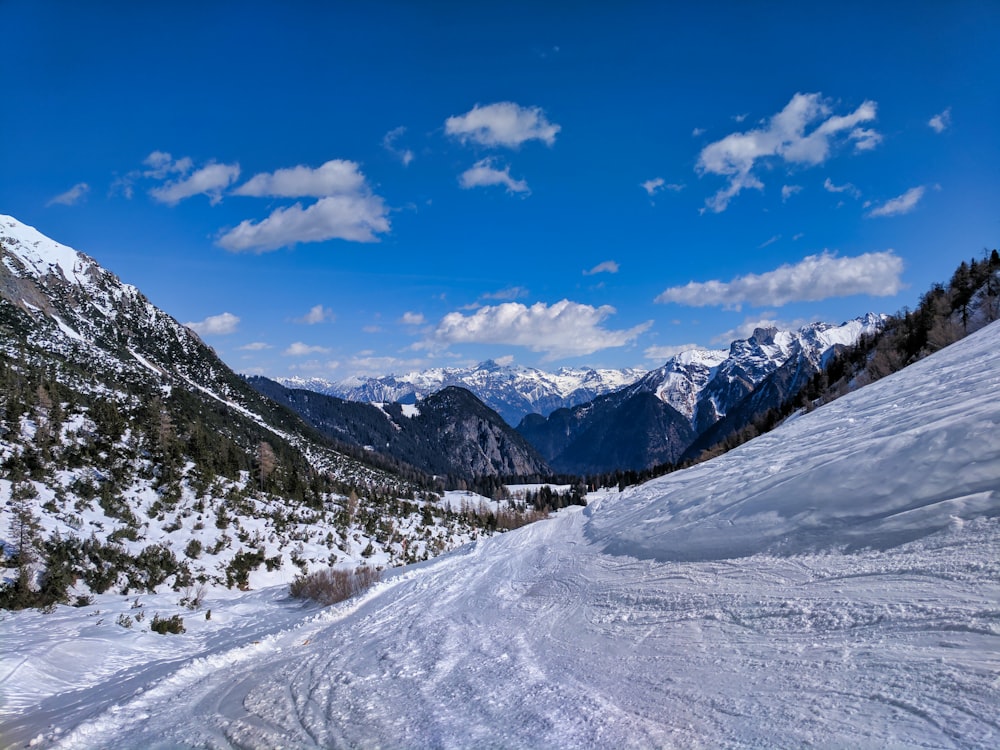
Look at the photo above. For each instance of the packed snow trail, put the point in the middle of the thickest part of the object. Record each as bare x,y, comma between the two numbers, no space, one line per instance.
835,583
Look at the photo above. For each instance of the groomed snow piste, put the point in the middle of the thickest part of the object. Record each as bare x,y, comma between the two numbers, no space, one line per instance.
834,583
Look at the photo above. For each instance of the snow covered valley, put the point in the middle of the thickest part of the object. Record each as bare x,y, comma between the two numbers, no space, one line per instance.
834,583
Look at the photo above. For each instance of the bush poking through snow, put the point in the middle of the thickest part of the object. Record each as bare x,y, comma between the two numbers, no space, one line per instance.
164,625
331,585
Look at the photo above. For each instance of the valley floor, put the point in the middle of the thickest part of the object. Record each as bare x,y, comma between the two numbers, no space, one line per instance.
538,639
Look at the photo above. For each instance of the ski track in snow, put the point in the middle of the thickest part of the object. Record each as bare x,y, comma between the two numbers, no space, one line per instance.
834,583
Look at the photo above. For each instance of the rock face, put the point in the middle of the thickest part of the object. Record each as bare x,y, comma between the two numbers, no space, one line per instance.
450,432
683,407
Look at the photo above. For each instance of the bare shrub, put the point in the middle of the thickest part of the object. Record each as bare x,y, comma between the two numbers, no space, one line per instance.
332,585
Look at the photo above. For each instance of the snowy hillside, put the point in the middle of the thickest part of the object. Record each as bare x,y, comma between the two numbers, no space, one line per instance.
834,583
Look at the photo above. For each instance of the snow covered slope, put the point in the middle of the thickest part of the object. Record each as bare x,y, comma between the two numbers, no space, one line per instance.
834,583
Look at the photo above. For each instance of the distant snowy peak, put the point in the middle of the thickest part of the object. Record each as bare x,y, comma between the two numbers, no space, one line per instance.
703,383
511,390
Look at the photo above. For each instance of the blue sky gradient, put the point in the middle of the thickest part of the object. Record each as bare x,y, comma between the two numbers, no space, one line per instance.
326,189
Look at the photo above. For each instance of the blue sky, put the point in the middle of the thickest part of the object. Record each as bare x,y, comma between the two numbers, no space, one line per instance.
327,189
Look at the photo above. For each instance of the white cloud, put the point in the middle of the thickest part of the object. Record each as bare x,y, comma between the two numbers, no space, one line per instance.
663,353
210,180
484,174
865,139
412,319
564,329
814,278
784,137
902,204
298,349
697,131
749,325
71,196
608,266
317,314
652,187
941,121
405,155
769,241
215,325
502,124
255,346
161,165
847,187
335,177
787,191
357,218
511,292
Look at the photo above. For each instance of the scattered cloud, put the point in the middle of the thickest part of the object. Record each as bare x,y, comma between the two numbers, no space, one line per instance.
663,353
502,124
484,174
657,184
770,241
161,165
741,118
210,180
564,329
413,319
608,266
255,346
784,137
847,187
366,364
72,196
697,132
511,292
335,177
298,349
405,155
356,218
787,191
215,325
900,205
317,314
941,121
371,329
814,278
865,139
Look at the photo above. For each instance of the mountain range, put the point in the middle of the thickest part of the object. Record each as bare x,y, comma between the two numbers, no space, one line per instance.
513,391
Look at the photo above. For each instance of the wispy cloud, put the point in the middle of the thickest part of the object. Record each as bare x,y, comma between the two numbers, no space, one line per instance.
317,314
769,241
697,132
787,191
412,319
608,266
484,174
405,155
511,292
72,196
215,325
803,133
847,187
211,180
902,204
657,184
941,121
564,329
814,278
255,346
298,349
502,124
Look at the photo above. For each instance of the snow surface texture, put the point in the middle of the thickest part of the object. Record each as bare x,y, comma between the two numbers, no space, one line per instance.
832,584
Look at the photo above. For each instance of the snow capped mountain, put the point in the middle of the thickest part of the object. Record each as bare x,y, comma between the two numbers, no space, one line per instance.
663,414
703,384
511,390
